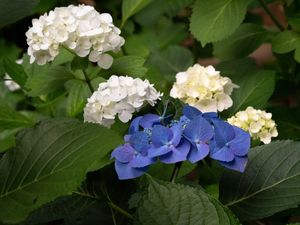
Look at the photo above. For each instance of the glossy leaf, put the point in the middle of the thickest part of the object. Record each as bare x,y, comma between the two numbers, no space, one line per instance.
270,183
216,19
49,161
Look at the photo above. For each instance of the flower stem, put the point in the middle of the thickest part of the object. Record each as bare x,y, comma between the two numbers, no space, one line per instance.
120,210
87,79
273,18
175,172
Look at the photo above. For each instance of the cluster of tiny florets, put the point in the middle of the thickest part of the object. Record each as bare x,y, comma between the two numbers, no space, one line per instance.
203,88
258,123
79,28
119,96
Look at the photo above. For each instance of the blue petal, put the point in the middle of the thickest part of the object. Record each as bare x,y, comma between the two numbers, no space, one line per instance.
139,141
210,115
135,125
141,161
178,154
238,164
224,132
149,120
154,152
123,153
240,145
191,112
161,135
198,130
224,154
177,134
125,171
198,152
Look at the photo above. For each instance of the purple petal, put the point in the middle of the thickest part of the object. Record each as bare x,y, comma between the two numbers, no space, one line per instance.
198,152
191,112
240,145
149,120
177,134
178,154
127,137
125,171
123,153
224,132
139,141
224,154
141,161
134,126
238,164
161,135
154,152
198,130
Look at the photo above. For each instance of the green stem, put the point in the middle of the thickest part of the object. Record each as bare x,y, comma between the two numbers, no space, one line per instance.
120,210
109,202
88,81
175,172
273,18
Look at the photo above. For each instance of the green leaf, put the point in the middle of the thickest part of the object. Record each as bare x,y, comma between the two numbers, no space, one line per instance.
170,203
131,7
216,19
241,43
13,10
77,98
270,183
47,79
171,60
128,65
15,71
49,161
10,119
285,42
254,90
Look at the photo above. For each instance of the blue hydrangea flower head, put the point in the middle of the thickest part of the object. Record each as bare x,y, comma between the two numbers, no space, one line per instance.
168,144
230,146
131,159
191,112
198,132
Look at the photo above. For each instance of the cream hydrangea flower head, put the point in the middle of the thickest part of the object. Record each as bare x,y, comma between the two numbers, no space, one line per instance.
80,28
258,123
119,96
203,88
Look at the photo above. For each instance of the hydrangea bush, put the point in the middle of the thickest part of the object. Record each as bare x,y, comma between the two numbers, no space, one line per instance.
149,112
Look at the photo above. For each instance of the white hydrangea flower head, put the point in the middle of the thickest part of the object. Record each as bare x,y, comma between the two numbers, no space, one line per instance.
119,96
258,123
80,28
203,88
9,83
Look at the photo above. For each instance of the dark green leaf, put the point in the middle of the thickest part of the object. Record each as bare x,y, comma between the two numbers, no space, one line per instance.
254,90
47,79
128,65
270,183
285,42
10,119
170,203
216,19
15,71
49,161
77,98
13,10
241,43
131,7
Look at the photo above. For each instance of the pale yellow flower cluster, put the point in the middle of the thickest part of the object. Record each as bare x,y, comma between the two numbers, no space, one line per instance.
203,88
258,123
